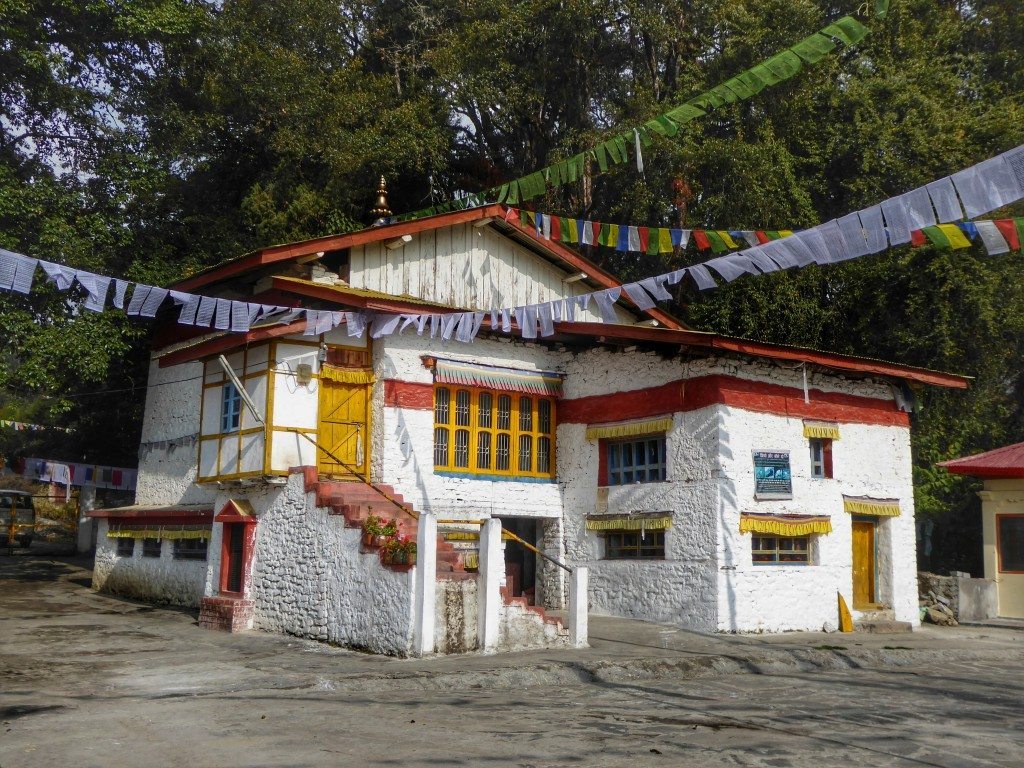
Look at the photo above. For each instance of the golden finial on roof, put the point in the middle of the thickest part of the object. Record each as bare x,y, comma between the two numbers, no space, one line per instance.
381,210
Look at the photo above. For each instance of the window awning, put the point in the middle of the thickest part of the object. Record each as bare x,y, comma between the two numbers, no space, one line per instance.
864,505
346,375
648,427
494,377
821,429
646,522
144,531
784,525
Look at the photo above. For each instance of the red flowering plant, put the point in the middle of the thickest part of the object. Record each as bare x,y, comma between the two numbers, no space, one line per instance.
377,531
399,550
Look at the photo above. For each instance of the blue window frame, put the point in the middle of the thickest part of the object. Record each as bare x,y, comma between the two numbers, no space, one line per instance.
230,408
637,461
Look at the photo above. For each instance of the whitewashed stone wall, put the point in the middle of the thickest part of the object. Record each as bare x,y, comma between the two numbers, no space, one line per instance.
405,436
153,579
309,578
868,460
167,475
679,589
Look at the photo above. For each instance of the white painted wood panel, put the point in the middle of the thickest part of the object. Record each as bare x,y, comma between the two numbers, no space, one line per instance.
467,267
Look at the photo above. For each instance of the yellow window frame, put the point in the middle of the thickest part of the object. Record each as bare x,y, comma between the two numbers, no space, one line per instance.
515,432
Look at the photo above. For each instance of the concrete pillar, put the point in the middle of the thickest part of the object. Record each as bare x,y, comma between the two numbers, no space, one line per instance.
578,604
426,584
86,525
491,572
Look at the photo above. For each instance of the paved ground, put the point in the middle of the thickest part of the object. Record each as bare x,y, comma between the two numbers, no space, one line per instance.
93,680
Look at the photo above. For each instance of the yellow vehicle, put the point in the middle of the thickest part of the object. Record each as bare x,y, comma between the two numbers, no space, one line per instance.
17,508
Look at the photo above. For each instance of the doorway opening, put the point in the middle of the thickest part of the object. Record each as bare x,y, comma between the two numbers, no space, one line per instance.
520,562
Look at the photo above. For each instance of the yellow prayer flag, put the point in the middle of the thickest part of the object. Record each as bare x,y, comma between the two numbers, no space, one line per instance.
574,235
785,232
727,238
665,240
955,235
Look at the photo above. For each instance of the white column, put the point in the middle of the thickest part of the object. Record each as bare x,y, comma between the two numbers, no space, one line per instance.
426,584
492,569
86,503
578,604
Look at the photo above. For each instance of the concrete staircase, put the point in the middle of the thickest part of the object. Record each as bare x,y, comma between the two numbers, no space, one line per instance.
356,501
524,603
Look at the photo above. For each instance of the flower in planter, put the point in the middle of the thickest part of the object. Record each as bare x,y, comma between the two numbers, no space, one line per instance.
376,531
399,550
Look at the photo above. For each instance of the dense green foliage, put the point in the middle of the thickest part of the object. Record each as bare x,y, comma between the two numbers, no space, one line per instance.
148,137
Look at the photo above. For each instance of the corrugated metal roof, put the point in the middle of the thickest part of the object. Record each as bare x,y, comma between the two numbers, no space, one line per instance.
1007,461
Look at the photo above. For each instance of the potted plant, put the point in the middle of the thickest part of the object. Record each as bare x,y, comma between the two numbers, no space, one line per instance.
401,550
377,531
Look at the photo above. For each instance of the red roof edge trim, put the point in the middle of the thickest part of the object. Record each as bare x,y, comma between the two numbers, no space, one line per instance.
1007,461
165,515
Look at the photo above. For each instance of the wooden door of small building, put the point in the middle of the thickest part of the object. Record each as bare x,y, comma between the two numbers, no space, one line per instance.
864,563
344,429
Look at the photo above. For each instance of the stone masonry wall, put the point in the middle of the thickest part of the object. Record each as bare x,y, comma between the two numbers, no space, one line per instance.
153,579
310,579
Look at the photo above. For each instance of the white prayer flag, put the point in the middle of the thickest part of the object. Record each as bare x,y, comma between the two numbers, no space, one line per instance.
606,303
8,268
702,277
725,267
656,287
834,240
760,259
992,238
633,239
943,195
919,208
120,287
58,274
139,294
778,253
24,273
674,277
639,296
222,321
897,220
874,228
853,235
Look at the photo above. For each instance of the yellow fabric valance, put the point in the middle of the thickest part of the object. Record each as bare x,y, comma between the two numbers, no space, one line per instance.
862,505
785,525
821,429
629,523
649,427
169,532
347,375
468,536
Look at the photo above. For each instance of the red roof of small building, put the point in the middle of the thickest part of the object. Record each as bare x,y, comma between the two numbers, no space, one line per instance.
1007,461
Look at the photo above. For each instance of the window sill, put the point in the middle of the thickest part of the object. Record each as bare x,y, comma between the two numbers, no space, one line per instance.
644,484
495,478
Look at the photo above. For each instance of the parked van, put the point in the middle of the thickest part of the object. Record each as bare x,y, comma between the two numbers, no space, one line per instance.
24,515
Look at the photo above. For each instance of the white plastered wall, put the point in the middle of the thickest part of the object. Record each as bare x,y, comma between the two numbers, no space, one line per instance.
154,579
167,475
868,460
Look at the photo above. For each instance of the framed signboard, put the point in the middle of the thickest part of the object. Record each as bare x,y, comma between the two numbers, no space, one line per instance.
773,478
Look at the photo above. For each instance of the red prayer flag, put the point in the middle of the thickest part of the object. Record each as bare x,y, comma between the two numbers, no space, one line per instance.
917,238
1008,228
701,239
596,227
762,238
645,234
556,228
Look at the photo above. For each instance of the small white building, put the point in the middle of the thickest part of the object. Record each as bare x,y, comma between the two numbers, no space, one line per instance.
1002,521
709,482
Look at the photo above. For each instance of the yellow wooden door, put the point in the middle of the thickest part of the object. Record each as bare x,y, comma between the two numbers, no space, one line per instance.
344,429
863,564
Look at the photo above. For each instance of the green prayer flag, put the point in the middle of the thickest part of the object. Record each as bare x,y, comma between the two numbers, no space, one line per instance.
524,219
814,48
751,81
563,229
620,146
1019,224
602,157
645,137
785,64
847,30
881,8
603,234
936,236
502,194
653,238
513,193
767,76
684,114
663,125
717,243
772,234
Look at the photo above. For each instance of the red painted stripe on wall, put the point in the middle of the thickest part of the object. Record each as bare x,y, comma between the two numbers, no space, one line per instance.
757,396
407,394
